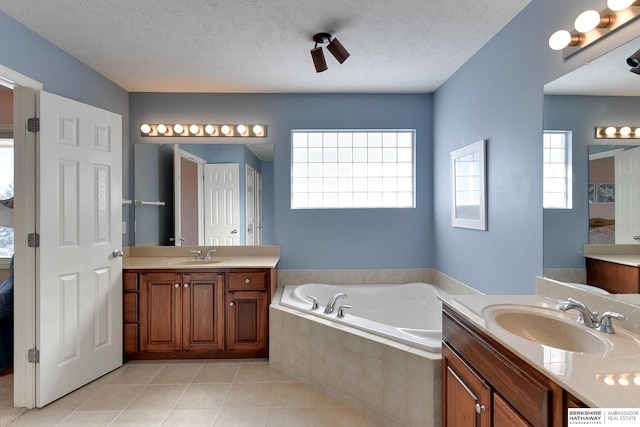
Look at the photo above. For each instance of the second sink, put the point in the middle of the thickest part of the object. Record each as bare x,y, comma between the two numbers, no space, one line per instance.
546,327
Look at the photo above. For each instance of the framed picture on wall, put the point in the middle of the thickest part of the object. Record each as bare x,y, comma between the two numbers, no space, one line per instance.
606,192
468,187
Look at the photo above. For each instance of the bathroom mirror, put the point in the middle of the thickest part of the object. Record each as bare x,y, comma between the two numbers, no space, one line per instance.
600,93
156,207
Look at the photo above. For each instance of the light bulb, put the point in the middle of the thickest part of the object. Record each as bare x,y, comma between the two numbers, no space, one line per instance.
209,129
225,129
257,129
636,380
194,129
610,131
618,5
625,131
241,129
587,21
609,381
560,39
637,132
161,129
145,128
623,382
178,128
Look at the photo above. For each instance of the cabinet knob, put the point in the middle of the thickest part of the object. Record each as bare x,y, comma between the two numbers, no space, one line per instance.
480,408
186,285
177,285
231,304
247,280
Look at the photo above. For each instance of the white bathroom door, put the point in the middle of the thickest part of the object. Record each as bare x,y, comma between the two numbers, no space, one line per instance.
250,206
79,280
627,196
222,204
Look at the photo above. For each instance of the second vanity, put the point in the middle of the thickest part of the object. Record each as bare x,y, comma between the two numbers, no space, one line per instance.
614,268
180,304
518,360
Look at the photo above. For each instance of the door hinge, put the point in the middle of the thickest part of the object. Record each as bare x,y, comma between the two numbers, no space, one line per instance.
33,124
33,240
33,355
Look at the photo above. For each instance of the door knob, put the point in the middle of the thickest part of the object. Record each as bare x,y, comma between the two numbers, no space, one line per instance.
117,253
636,237
234,231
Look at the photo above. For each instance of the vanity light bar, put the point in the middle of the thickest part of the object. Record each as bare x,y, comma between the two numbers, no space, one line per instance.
202,130
592,25
618,132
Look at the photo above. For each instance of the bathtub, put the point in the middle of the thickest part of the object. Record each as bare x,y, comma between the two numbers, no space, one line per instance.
409,313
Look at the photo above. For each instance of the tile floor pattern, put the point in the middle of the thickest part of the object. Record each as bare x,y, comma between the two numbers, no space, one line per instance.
212,393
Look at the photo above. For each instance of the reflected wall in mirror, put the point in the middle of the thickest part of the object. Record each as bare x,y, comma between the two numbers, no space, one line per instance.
162,173
601,93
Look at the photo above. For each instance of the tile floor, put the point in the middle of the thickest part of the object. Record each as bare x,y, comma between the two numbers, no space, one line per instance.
195,393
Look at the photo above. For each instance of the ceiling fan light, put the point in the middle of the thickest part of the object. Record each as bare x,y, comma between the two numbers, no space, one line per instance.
338,51
618,5
318,59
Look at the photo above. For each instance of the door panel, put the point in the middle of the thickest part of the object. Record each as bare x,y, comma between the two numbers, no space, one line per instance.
222,204
160,312
203,314
79,309
627,194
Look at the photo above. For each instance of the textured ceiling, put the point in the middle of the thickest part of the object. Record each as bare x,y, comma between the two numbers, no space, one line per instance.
253,46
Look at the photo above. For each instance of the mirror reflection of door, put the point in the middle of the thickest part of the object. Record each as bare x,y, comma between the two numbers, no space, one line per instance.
250,195
188,194
627,193
222,204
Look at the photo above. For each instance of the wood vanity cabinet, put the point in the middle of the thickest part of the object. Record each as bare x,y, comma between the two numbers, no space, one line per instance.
485,385
196,313
613,277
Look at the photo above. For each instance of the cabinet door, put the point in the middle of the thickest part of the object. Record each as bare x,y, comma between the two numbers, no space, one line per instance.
160,312
202,312
466,398
505,415
247,321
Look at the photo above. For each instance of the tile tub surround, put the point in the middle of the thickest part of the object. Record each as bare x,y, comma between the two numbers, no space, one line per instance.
393,384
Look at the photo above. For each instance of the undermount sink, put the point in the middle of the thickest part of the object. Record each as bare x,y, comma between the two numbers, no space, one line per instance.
192,261
547,327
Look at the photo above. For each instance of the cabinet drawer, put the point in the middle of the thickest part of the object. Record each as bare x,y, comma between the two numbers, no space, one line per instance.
249,281
131,338
130,282
130,307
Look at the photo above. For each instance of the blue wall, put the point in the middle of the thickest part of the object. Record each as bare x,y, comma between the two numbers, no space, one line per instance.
566,231
497,95
321,239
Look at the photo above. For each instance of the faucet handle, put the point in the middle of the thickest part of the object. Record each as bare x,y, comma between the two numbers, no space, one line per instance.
605,322
314,302
341,310
198,254
208,255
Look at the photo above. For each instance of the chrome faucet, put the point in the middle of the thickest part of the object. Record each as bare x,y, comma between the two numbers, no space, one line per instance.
586,317
197,254
208,255
331,305
590,318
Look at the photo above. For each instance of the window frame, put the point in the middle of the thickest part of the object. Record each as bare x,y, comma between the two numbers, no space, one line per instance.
409,200
568,178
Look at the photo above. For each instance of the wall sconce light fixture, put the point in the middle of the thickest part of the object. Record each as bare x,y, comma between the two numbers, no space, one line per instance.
592,25
203,130
335,47
618,132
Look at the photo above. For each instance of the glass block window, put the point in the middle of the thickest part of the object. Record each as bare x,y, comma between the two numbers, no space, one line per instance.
557,170
344,169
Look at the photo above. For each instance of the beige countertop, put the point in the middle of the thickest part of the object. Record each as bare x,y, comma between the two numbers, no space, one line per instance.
610,380
631,260
188,263
181,257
